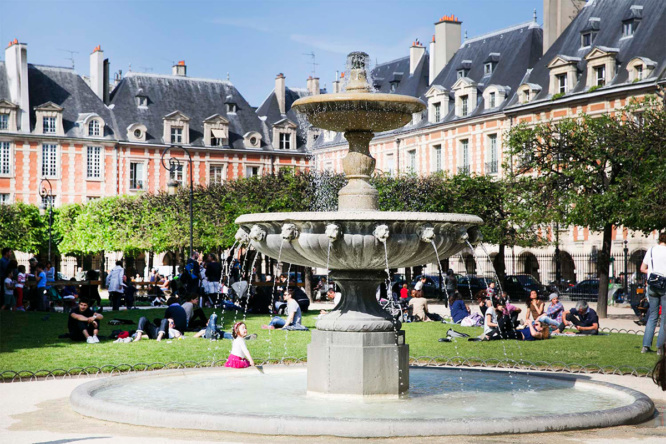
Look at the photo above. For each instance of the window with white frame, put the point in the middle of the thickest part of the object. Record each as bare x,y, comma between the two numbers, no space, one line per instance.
232,108
141,101
600,74
464,105
93,128
390,164
49,160
251,171
4,198
49,125
176,173
411,161
487,69
437,157
285,141
176,134
492,100
463,167
216,175
561,83
5,159
137,176
492,166
586,39
639,72
628,28
4,121
438,111
93,162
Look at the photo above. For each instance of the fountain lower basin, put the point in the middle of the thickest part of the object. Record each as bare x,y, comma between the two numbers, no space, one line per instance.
439,403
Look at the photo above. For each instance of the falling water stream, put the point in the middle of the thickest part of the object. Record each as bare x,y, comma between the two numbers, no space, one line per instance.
391,302
272,306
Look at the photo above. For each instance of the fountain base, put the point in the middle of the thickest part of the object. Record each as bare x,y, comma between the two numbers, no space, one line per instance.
368,364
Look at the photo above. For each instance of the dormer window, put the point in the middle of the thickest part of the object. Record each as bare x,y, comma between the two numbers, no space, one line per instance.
176,128
640,68
629,28
639,72
586,40
487,69
600,72
93,127
285,141
49,125
394,85
252,139
216,131
142,101
8,112
492,100
4,121
462,73
464,105
437,107
176,135
528,92
561,83
526,96
231,108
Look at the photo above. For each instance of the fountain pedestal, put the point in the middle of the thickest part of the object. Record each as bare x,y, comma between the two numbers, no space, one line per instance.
358,363
357,348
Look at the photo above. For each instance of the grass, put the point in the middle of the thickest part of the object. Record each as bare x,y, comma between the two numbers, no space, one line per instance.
29,341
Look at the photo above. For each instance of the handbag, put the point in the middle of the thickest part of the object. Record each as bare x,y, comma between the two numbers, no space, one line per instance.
656,281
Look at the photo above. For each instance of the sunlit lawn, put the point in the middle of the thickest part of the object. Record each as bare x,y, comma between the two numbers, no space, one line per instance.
29,341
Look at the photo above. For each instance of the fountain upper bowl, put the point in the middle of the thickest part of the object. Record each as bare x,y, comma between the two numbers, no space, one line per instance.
355,237
360,111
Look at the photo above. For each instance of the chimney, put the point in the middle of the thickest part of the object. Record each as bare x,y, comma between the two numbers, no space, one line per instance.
415,53
280,92
313,86
16,62
557,15
336,84
99,74
447,41
179,69
431,73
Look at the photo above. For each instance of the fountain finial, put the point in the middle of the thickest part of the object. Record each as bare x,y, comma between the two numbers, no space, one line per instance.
358,78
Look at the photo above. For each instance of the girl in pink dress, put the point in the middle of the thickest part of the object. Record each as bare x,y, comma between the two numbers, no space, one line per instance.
240,356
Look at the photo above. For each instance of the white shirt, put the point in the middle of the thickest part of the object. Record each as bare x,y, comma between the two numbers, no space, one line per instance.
419,285
238,348
115,279
656,257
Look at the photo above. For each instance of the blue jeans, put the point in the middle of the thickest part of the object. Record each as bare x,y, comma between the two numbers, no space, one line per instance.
655,299
212,329
548,320
278,322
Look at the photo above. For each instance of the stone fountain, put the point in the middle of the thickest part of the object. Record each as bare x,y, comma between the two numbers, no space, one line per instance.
358,356
358,349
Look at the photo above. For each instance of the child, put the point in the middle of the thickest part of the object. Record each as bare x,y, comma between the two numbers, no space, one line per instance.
8,286
18,291
240,356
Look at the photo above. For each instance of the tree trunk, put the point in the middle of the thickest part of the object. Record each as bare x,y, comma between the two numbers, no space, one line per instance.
102,270
307,282
499,264
408,276
604,269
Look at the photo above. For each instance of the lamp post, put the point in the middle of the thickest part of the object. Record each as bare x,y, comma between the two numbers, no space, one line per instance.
172,184
558,262
626,278
47,193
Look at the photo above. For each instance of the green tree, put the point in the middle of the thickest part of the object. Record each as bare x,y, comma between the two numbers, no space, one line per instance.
22,228
591,172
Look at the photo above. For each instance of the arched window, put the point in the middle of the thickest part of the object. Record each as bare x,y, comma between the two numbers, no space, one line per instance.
93,128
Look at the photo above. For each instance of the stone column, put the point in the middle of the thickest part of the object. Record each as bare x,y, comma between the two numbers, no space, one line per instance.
358,165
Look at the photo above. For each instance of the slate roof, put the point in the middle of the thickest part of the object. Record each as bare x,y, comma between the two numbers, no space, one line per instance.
197,98
65,88
271,111
513,51
647,41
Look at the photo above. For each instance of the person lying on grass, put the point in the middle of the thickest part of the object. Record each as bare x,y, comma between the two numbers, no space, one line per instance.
166,328
83,323
215,332
534,330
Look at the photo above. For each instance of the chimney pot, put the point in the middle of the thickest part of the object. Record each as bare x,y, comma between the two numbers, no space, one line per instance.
179,69
16,65
280,92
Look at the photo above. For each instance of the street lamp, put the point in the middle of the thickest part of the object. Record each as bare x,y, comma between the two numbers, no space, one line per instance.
172,184
47,193
626,278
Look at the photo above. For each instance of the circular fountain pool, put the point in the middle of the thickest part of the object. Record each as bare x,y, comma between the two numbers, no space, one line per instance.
440,402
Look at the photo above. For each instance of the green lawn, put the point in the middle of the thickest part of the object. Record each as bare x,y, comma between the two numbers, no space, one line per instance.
29,341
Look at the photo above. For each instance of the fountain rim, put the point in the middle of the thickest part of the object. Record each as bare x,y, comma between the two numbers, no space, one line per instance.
83,402
359,97
359,216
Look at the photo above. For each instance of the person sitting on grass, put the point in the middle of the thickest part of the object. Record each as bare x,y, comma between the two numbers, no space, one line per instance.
490,325
83,324
582,318
641,309
533,331
294,315
419,307
240,356
554,312
459,310
196,319
509,309
534,307
166,328
483,302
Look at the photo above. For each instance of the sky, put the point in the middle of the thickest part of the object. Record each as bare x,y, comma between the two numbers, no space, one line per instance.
250,41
